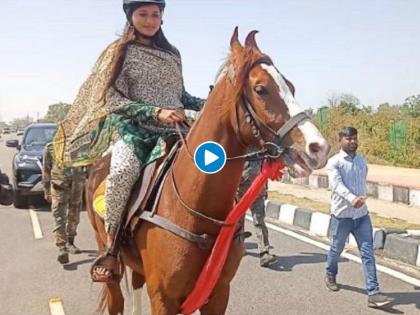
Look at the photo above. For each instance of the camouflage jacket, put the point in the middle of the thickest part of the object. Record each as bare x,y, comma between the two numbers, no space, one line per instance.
52,172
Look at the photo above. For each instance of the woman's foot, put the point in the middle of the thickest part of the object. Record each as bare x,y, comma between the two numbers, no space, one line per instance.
104,269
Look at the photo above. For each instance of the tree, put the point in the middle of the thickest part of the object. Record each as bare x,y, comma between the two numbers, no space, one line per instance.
348,104
333,99
345,103
19,123
411,106
56,112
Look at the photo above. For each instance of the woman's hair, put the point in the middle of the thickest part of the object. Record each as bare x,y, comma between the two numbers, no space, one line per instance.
159,41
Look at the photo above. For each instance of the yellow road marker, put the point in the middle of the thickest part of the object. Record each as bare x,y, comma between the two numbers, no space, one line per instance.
56,306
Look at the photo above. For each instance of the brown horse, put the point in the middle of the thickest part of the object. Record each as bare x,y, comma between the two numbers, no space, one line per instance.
249,104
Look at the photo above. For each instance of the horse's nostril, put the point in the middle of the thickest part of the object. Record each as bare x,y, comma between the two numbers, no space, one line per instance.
314,147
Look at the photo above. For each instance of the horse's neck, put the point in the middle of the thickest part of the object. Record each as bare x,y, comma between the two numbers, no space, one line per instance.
212,194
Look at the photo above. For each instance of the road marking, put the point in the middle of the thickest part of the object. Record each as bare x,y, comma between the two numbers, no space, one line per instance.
56,306
35,224
136,296
389,271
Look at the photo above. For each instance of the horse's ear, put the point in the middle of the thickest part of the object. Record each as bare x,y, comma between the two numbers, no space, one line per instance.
234,41
250,40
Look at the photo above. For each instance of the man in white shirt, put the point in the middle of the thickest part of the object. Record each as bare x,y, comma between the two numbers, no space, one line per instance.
347,173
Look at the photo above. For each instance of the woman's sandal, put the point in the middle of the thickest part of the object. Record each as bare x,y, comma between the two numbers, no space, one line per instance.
111,276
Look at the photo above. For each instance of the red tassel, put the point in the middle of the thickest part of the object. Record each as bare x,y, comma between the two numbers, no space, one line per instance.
214,264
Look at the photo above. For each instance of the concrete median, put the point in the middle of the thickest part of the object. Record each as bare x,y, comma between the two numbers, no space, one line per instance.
400,245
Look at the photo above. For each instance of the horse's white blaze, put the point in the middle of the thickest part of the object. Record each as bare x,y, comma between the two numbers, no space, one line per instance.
308,129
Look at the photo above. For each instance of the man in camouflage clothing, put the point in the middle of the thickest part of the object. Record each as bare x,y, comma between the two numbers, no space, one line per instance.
63,188
251,170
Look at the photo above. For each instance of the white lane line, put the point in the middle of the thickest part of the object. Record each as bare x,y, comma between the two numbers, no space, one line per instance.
56,306
389,271
35,224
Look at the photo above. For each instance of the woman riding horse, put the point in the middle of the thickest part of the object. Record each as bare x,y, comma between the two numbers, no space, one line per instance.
252,104
127,107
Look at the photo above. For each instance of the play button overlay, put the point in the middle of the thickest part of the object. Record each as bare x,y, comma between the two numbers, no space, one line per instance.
210,157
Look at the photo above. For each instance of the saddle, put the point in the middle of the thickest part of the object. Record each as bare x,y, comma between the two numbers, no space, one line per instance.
143,201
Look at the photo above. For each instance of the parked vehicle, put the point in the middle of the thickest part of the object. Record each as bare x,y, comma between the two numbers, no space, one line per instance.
6,130
20,131
27,163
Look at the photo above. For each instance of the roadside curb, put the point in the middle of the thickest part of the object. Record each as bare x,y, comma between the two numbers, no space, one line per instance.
396,244
382,191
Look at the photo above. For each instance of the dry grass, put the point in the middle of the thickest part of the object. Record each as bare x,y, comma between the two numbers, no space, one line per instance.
377,221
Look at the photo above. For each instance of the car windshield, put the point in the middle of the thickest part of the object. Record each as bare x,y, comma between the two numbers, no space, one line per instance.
39,136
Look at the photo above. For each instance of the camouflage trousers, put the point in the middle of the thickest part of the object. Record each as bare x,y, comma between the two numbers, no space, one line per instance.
251,170
66,203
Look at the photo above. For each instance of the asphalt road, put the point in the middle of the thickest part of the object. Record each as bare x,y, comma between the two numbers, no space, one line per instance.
30,274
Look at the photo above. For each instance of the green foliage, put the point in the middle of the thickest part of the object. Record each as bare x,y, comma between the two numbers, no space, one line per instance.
56,112
411,106
323,117
375,129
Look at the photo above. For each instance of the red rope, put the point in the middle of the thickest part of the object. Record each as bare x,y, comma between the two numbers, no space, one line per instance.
214,264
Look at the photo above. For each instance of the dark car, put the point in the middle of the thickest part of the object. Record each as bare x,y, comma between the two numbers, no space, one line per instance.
27,163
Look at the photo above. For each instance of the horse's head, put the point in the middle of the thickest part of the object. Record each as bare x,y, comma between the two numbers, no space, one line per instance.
264,111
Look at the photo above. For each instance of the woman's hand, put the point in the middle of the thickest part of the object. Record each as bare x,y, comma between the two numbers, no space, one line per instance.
170,116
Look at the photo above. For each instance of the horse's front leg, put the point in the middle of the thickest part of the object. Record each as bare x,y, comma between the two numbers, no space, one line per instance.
219,298
217,303
162,305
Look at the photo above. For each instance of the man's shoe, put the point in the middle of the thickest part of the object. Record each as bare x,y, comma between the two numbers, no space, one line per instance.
247,234
73,249
266,259
331,283
63,255
379,300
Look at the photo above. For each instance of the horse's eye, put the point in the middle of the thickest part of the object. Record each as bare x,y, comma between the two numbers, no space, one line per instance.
261,90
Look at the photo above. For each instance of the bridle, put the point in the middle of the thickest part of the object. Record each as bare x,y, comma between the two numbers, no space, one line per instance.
274,148
269,149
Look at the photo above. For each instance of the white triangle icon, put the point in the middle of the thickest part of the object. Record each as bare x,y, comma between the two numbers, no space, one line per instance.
209,157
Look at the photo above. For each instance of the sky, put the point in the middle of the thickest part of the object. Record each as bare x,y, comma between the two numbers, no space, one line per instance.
366,48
